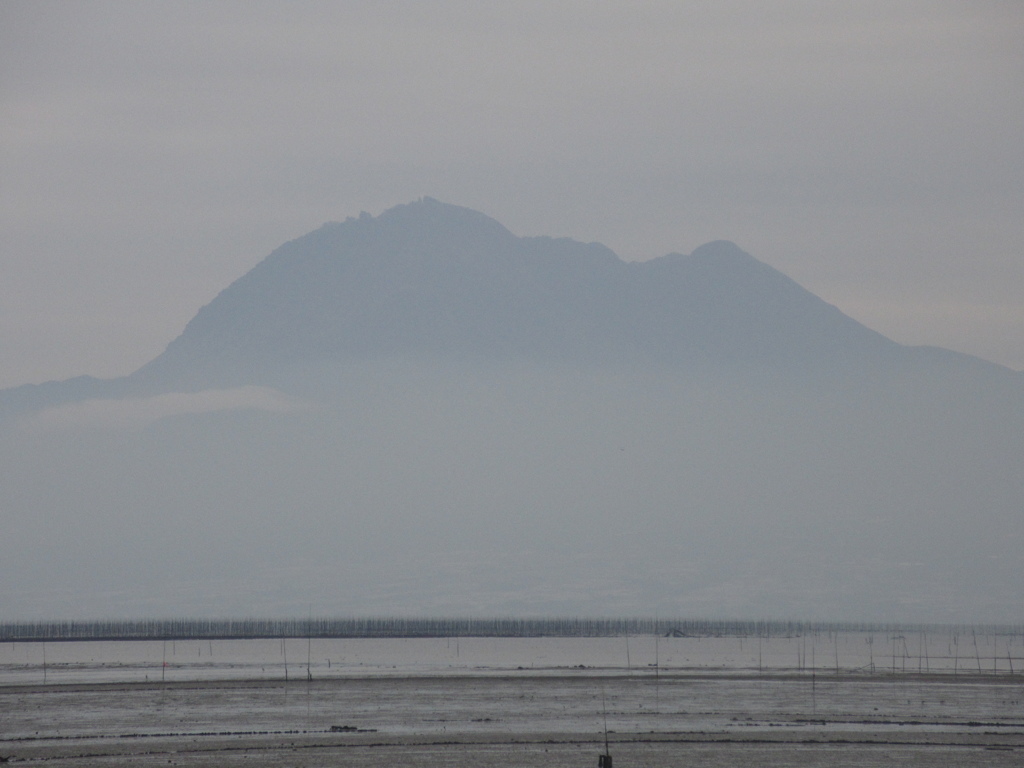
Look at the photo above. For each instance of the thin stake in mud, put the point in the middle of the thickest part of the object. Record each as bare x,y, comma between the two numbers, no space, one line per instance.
657,678
605,760
814,699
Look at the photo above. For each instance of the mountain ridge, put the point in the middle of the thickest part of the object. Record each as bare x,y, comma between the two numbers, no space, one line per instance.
433,278
430,280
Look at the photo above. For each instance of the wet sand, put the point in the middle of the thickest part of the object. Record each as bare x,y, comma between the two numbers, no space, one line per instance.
522,718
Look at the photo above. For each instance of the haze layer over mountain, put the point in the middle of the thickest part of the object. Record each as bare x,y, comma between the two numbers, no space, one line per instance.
422,413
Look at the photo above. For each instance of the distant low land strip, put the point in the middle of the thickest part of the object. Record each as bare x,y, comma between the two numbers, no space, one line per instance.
256,628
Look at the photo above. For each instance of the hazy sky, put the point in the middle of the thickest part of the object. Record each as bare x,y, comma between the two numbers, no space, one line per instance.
153,152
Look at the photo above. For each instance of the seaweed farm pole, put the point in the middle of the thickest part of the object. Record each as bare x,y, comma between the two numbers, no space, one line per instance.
605,760
44,662
309,644
163,665
814,700
657,677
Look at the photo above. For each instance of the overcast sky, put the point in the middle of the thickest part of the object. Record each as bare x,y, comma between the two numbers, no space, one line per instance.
154,152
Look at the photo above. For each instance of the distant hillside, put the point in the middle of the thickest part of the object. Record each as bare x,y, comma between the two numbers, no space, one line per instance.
435,280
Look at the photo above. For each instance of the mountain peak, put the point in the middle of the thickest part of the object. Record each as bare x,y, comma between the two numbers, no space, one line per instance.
722,249
432,280
426,215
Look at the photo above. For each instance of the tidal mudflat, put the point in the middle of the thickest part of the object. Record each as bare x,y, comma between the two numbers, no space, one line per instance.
506,701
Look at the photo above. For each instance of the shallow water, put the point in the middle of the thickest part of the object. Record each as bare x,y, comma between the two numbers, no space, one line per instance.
485,701
822,654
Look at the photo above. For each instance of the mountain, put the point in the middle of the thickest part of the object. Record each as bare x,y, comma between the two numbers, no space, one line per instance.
431,281
423,413
438,281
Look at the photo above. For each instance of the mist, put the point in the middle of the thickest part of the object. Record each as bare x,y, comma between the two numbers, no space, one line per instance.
398,487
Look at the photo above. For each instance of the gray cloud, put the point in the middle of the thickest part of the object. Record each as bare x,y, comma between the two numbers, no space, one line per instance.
154,152
138,412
